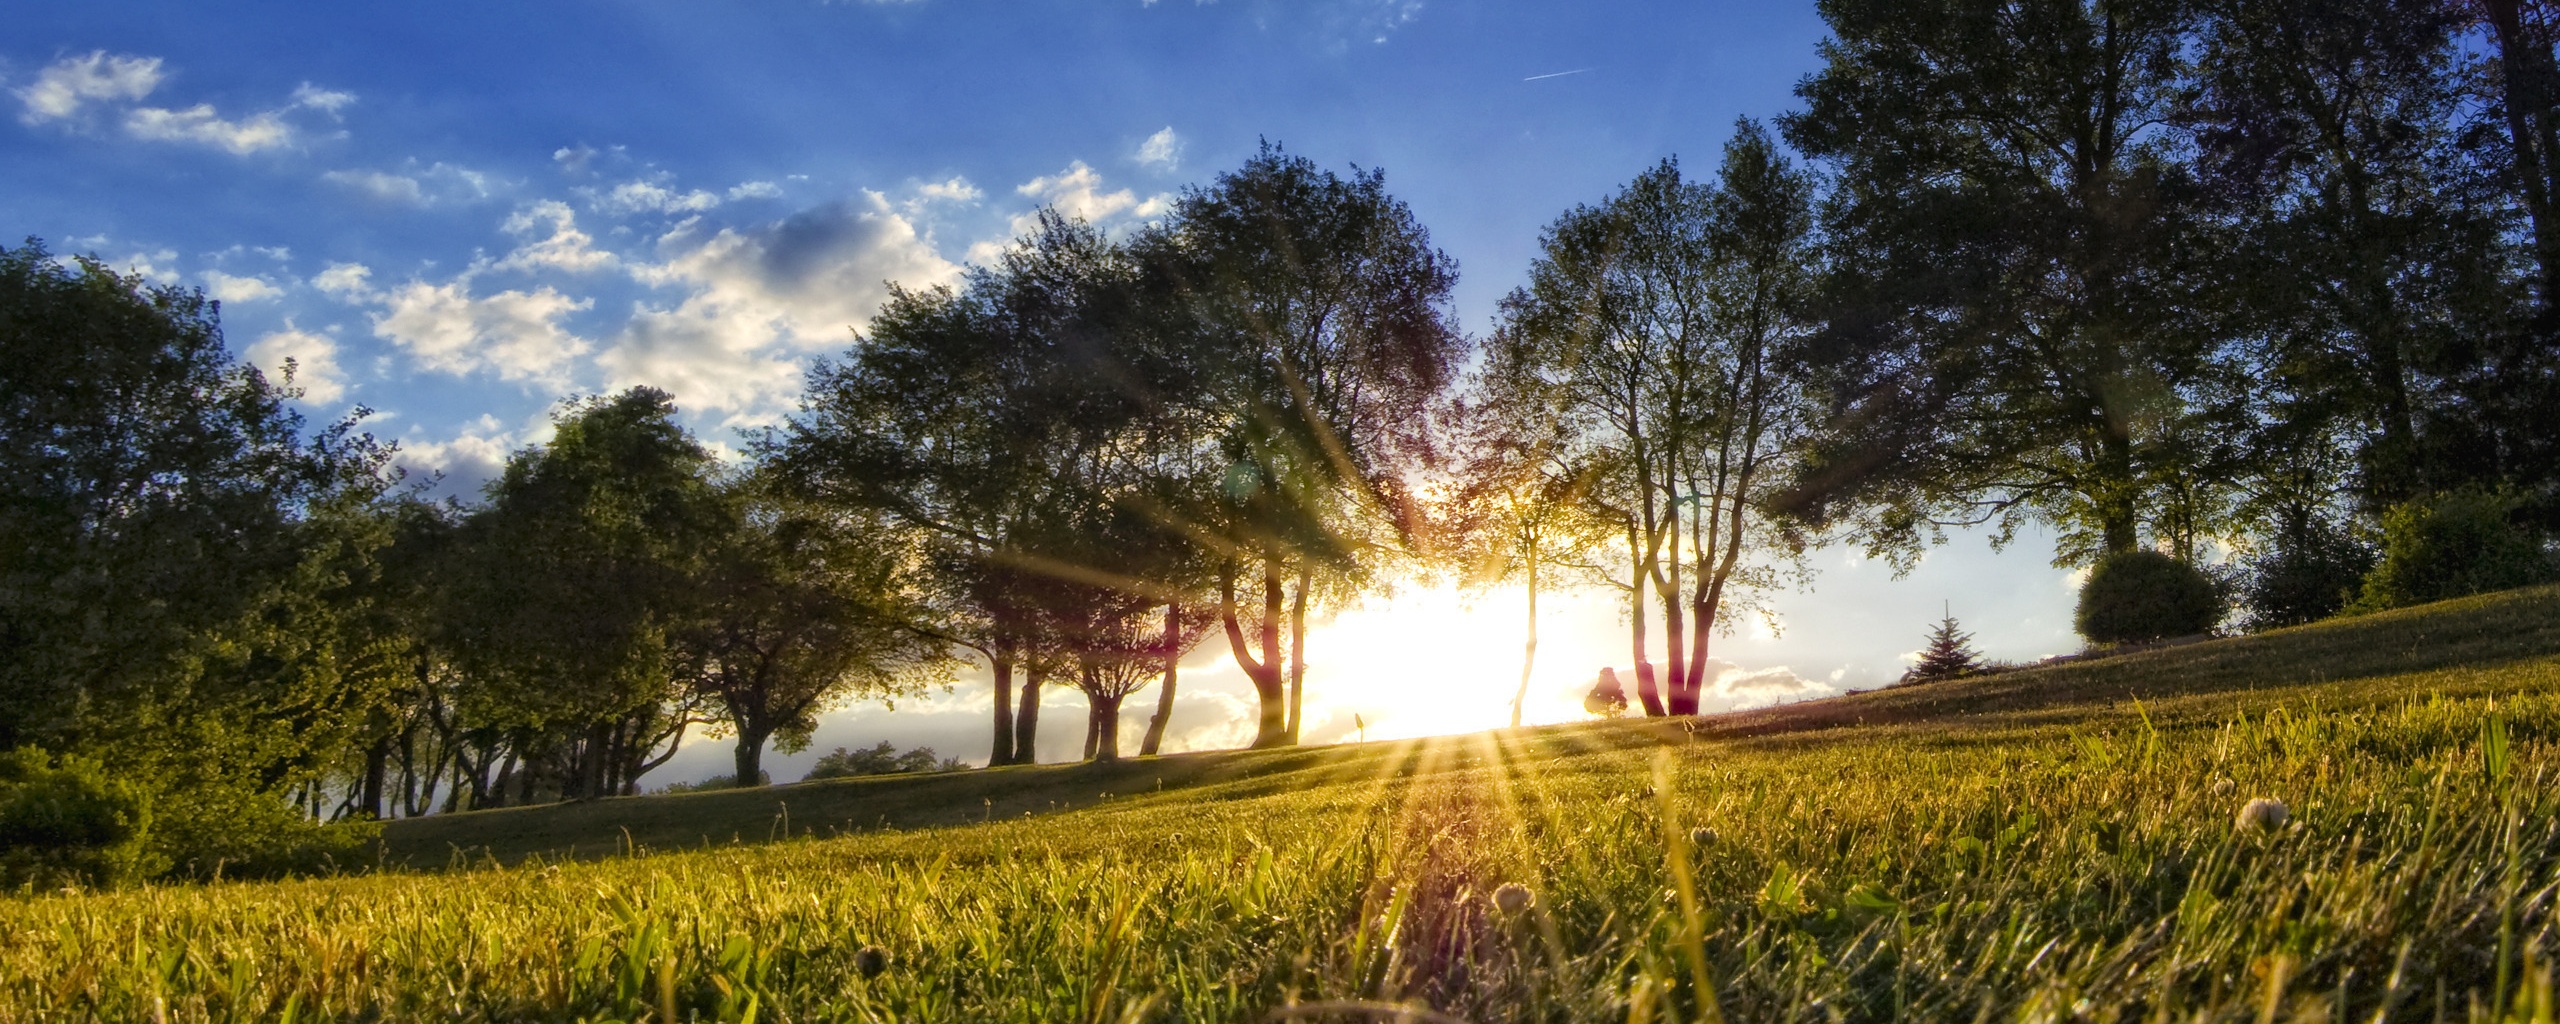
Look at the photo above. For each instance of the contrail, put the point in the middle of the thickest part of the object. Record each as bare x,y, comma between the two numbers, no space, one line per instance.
1557,74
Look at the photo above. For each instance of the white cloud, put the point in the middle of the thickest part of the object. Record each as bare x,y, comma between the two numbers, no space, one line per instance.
1078,193
1730,687
349,282
228,288
436,184
653,196
314,358
759,296
516,334
1162,150
563,248
327,101
464,463
201,124
755,190
957,190
63,87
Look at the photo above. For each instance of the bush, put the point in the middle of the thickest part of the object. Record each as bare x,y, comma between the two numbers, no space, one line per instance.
64,822
880,760
230,830
2133,596
2452,545
2307,575
716,782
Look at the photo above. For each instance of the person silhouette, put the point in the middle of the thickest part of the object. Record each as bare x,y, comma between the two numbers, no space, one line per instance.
1606,698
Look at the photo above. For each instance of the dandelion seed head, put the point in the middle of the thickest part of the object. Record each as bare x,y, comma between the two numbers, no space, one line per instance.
1513,897
2263,813
1702,836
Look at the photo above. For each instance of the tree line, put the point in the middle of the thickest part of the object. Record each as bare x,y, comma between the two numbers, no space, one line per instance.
2241,281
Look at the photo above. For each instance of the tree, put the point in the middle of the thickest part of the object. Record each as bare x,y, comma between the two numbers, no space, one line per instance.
580,572
2016,314
799,608
1949,654
1657,333
1317,309
176,546
2365,266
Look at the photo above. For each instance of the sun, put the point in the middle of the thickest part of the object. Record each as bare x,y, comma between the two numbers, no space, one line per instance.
1429,661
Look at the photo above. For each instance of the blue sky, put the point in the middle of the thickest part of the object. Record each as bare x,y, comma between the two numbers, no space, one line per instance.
457,213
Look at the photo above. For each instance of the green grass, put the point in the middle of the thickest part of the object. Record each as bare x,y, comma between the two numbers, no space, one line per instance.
2052,844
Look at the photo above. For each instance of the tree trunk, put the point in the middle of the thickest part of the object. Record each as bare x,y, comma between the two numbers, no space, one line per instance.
1154,740
2119,522
1092,710
750,755
2525,71
1106,730
1645,690
1298,653
377,765
1026,722
1265,673
1001,663
1528,648
1675,624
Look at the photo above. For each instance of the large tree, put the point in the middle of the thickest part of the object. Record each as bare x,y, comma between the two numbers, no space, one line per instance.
1318,311
798,608
1658,331
2016,307
579,573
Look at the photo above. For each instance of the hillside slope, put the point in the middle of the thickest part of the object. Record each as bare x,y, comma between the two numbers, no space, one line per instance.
2472,646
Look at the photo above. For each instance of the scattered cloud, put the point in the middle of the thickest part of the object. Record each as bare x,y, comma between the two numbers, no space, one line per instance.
760,296
437,184
312,359
563,247
67,85
651,195
516,334
1078,193
463,464
228,288
1730,687
65,89
200,124
1162,150
444,327
327,101
754,190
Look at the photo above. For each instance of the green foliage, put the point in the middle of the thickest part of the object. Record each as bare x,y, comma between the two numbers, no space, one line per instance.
2134,596
880,760
223,828
2310,573
66,822
716,782
2451,545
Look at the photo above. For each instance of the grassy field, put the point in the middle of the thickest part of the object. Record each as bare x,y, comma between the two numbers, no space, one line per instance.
2052,844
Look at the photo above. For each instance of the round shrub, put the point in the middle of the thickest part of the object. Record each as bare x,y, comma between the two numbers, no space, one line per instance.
2308,574
2453,545
67,823
2133,596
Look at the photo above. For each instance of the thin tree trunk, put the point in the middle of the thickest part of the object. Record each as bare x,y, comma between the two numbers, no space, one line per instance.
1001,662
1154,740
1092,709
1298,653
1026,722
1528,648
1645,690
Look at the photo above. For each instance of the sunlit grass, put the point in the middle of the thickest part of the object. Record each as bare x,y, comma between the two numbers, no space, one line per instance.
2036,864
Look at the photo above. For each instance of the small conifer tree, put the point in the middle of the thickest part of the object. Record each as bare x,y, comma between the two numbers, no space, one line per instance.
1950,654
